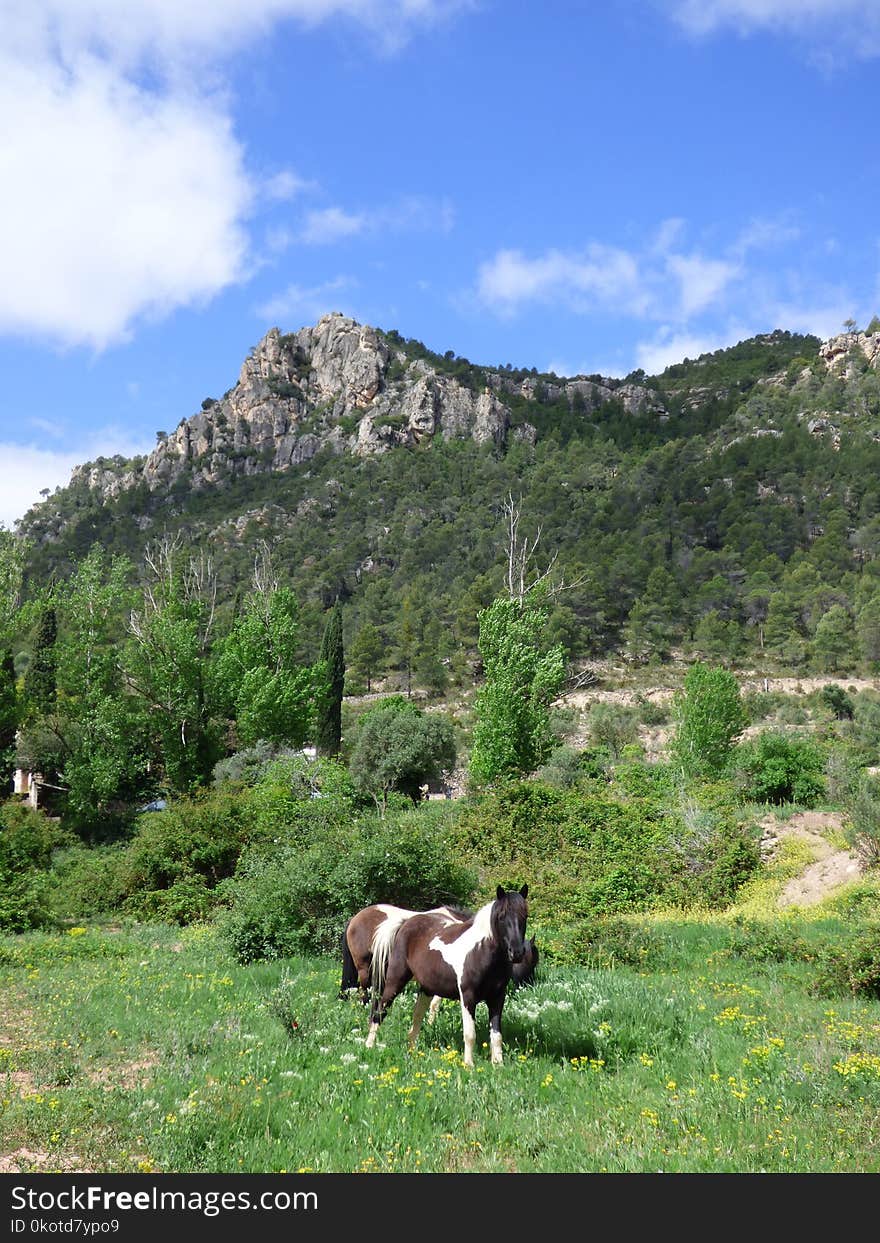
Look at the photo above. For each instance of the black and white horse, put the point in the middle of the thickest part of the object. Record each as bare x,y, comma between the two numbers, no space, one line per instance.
471,959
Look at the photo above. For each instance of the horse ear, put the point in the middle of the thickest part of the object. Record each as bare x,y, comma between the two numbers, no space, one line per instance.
524,891
499,892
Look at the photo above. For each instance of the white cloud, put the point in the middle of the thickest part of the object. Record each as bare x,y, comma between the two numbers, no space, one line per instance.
600,277
25,470
326,225
696,302
599,274
831,27
703,16
823,320
126,194
171,33
330,224
117,204
285,185
299,304
701,281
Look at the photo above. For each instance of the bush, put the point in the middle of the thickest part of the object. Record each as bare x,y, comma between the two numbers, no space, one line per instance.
28,840
773,768
614,849
838,703
613,727
851,966
295,901
563,768
864,815
776,942
652,713
398,748
246,767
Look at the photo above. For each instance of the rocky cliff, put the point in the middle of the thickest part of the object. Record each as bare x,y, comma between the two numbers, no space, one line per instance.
347,387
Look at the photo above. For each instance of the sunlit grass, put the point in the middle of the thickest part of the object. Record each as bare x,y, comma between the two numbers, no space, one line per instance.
149,1049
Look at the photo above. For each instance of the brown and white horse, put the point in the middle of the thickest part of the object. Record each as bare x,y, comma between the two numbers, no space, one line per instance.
361,931
471,959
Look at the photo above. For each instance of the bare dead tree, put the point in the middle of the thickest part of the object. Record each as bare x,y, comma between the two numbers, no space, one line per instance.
520,552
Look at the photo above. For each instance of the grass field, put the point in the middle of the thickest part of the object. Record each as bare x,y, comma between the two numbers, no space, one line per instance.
148,1048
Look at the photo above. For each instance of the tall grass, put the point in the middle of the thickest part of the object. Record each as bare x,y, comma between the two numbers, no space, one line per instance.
150,1048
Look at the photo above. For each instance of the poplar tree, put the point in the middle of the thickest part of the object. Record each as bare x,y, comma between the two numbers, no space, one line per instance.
328,732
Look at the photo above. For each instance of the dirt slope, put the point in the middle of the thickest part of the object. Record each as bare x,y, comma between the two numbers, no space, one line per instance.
831,868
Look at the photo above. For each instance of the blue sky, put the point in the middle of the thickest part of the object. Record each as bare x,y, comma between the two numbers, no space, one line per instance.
574,186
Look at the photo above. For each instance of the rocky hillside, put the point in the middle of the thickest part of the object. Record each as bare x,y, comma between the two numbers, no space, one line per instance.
349,388
730,502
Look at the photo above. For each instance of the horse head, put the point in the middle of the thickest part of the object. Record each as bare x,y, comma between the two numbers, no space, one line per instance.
509,914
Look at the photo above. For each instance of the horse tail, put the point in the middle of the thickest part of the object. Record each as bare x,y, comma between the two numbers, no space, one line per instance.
349,970
381,946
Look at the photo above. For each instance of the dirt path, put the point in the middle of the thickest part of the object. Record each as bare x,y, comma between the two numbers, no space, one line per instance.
831,868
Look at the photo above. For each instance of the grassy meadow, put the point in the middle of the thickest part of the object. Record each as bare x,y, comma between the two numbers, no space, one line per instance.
688,1044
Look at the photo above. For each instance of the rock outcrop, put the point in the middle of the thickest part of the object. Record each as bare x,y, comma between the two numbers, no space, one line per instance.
842,352
349,388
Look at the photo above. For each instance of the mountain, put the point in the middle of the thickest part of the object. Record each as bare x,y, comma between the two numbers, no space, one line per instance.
347,388
377,469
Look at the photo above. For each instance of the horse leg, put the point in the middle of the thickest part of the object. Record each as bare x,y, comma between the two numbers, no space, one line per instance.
418,1014
364,980
495,1004
469,1028
395,982
435,1005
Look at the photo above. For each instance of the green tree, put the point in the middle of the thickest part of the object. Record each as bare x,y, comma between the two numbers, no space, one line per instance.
40,689
399,747
512,733
105,750
834,640
328,727
167,661
13,552
8,720
365,653
715,638
653,620
270,693
522,672
406,645
709,716
868,630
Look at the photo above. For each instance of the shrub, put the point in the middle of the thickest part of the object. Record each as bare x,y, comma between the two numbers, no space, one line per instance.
563,768
776,942
864,815
246,767
609,850
195,844
294,900
612,726
28,840
851,966
398,747
652,713
773,768
838,703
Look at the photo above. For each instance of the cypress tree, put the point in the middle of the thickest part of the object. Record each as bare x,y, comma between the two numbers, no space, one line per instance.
39,680
8,721
328,733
